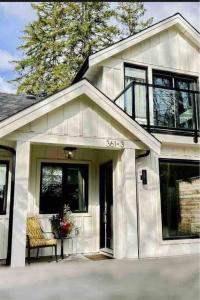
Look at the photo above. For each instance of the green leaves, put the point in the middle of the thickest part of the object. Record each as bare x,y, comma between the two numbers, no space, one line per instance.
55,45
130,16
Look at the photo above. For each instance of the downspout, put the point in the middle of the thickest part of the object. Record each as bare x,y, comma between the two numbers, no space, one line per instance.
137,203
10,222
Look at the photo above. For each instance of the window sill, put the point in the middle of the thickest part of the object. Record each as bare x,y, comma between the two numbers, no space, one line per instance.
180,241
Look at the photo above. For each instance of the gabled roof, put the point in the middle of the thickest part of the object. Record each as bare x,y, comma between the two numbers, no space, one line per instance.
174,20
11,104
83,87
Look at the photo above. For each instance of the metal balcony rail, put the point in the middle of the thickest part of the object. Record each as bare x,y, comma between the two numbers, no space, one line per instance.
162,109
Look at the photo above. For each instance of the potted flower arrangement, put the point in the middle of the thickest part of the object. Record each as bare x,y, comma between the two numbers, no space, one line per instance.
62,224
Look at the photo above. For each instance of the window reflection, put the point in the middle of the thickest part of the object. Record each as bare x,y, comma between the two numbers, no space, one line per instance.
173,108
63,184
180,199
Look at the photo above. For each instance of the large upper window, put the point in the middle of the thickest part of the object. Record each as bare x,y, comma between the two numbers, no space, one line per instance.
173,108
3,186
63,184
180,199
136,74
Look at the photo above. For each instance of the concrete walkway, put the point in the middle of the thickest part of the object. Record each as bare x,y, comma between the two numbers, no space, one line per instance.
146,279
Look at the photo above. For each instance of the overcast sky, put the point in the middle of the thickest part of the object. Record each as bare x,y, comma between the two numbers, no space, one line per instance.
14,16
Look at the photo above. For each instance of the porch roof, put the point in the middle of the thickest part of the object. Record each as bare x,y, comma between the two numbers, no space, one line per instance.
83,87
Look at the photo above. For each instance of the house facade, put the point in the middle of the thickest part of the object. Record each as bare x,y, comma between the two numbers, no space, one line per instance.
132,115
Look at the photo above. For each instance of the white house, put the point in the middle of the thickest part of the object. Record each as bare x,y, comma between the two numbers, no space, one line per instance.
132,114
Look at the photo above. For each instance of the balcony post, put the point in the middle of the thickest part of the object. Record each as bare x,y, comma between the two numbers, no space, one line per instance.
147,108
133,100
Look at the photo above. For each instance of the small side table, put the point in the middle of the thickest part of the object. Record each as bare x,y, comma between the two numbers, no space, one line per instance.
68,237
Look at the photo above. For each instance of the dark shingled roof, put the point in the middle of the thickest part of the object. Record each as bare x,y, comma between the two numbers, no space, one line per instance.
11,104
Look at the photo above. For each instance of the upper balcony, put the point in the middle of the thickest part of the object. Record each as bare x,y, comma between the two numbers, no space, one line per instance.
161,109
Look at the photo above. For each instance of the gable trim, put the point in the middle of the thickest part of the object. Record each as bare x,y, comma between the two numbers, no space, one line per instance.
132,40
83,87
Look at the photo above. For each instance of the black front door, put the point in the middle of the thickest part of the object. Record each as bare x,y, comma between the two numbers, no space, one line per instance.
106,206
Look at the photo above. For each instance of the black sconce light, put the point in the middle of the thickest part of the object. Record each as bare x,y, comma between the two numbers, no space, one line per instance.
69,152
143,177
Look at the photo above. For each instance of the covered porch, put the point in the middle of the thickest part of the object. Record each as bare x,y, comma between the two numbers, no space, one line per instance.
83,118
31,159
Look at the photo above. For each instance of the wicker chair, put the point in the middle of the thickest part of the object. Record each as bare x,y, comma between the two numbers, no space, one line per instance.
36,237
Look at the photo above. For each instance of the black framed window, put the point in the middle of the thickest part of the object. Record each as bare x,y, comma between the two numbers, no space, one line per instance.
173,108
135,105
63,184
180,198
4,168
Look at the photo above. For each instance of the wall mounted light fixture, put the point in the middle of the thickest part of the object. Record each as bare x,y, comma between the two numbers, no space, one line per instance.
143,177
69,152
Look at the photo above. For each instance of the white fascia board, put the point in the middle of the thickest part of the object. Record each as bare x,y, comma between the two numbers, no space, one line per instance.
81,88
139,37
39,109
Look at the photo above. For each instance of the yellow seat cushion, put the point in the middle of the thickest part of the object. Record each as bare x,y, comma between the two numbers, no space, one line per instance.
42,242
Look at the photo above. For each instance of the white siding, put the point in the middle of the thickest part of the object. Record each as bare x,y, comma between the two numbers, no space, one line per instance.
168,50
79,118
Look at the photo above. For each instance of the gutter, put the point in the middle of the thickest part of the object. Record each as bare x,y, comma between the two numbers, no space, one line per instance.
10,224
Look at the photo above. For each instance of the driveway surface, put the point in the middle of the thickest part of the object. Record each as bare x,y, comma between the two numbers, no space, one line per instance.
145,279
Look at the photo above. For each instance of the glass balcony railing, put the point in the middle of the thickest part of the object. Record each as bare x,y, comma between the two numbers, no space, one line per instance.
162,109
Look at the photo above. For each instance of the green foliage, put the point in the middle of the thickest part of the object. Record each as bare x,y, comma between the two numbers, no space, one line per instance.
130,15
64,34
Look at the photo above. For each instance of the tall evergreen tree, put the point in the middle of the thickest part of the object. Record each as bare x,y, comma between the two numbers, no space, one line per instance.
130,16
58,41
64,33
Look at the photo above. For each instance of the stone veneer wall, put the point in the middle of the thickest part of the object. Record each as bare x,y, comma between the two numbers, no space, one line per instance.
189,197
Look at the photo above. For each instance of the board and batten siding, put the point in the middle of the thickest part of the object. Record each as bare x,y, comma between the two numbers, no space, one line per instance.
78,118
168,50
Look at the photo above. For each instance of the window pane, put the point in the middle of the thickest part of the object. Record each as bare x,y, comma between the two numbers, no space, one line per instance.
63,184
164,105
137,75
51,189
162,80
180,199
3,187
76,188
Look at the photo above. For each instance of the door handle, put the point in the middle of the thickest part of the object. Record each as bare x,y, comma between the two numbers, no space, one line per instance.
105,217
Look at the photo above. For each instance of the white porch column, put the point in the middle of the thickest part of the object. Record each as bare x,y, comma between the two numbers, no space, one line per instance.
20,204
129,196
118,209
125,210
149,206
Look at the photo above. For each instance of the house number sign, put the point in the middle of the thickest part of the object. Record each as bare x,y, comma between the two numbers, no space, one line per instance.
114,144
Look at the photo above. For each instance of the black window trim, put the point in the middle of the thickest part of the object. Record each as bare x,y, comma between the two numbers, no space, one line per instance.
62,164
176,160
6,162
174,75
